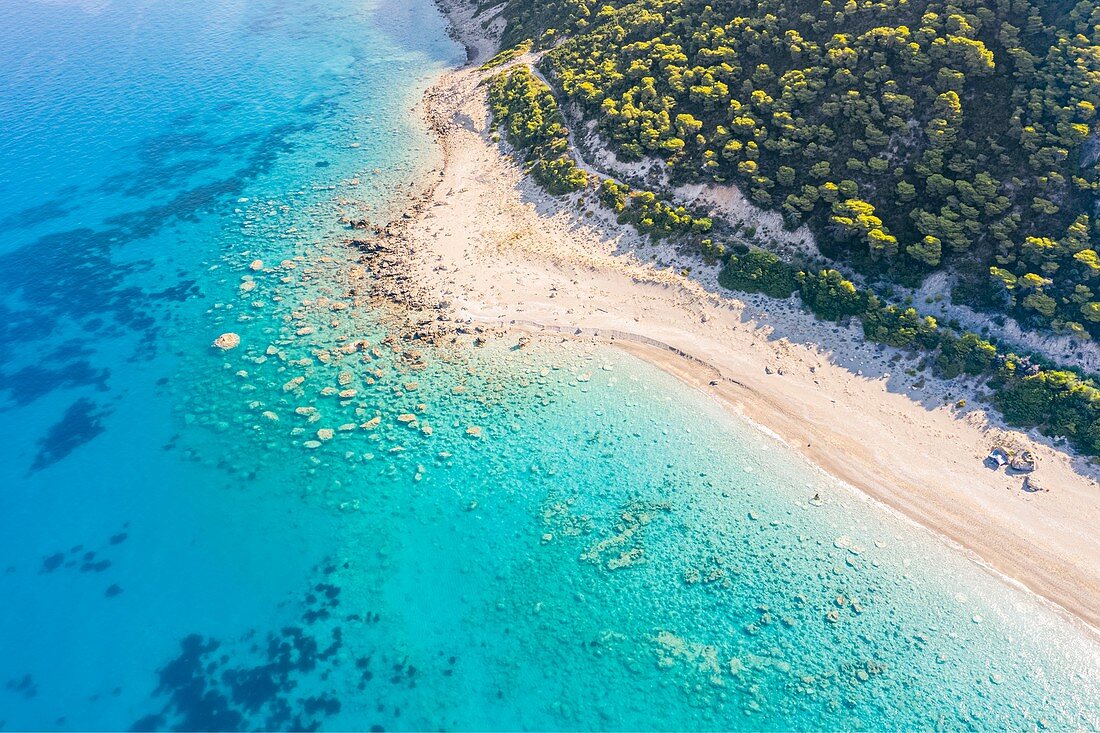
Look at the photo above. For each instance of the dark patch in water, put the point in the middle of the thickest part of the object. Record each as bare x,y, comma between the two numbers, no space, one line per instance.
155,179
284,679
70,284
53,562
97,566
25,686
211,687
209,691
114,589
88,561
26,385
34,215
81,423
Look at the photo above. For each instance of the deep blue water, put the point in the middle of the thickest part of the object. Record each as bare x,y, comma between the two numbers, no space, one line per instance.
562,537
130,134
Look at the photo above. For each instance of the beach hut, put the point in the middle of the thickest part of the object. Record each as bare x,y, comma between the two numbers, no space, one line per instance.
998,456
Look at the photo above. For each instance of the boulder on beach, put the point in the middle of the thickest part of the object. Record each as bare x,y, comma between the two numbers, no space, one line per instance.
227,341
1023,462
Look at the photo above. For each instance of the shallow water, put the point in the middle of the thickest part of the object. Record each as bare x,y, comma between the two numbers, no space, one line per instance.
552,537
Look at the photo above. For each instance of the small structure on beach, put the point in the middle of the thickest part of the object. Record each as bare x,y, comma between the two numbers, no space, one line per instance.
1024,462
998,456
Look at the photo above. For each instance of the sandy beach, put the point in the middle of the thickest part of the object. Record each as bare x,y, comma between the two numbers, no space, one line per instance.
487,247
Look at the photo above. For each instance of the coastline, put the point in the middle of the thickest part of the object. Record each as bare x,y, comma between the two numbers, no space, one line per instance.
486,247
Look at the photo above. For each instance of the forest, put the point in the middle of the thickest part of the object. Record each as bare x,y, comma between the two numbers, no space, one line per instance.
910,135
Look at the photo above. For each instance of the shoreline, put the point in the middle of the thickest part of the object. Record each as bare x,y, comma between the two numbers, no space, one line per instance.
485,247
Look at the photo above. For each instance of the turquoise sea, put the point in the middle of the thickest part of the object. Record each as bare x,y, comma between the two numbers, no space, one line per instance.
327,528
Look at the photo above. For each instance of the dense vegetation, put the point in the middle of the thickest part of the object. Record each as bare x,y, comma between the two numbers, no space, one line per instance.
507,55
912,135
529,114
526,109
1060,403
